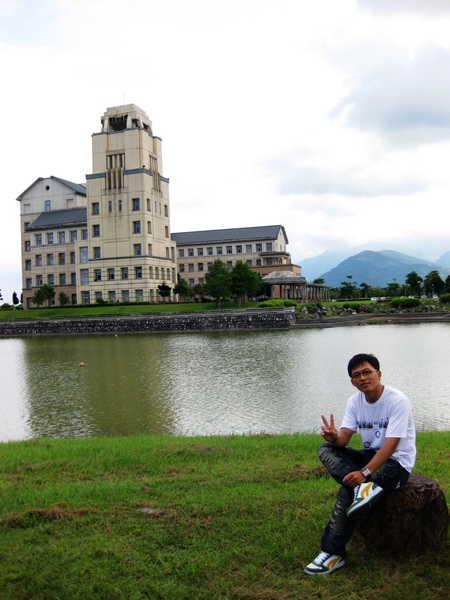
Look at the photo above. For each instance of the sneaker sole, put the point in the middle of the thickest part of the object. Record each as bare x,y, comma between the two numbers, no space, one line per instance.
327,572
364,504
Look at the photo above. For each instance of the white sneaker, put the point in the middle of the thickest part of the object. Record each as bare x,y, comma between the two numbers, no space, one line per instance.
365,495
324,564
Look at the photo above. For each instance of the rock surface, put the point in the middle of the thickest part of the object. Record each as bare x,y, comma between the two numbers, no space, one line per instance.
406,521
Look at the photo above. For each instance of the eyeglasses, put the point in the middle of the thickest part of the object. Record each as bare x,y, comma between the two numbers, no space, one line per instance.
363,373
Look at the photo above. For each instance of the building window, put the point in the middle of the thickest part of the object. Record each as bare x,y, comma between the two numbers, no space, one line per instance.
229,249
219,250
97,274
209,265
84,235
258,262
191,267
269,262
138,272
136,227
51,279
111,274
125,295
209,251
258,247
149,207
124,272
249,262
47,205
135,204
61,258
166,210
248,248
180,266
50,238
191,283
50,259
72,258
115,164
73,236
268,246
181,253
62,279
190,251
61,237
84,276
200,266
73,278
201,280
28,284
84,257
38,260
74,299
95,208
95,230
110,206
229,264
199,251
112,296
139,295
97,252
149,227
98,296
27,245
166,231
85,297
119,205
28,265
238,249
39,280
137,249
38,239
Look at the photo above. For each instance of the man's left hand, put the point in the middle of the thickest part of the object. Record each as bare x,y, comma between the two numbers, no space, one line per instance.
354,478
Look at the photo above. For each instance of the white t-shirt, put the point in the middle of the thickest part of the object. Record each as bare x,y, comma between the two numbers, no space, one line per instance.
390,416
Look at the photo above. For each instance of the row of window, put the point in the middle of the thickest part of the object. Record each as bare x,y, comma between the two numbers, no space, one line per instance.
98,275
136,228
135,206
125,296
219,250
50,259
201,266
61,238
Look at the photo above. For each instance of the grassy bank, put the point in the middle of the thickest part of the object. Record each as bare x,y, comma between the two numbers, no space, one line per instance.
189,518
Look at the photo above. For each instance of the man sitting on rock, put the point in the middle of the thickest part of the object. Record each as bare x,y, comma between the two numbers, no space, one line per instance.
383,417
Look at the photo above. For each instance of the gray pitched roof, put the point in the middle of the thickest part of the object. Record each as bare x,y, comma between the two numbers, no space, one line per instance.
242,234
78,188
59,218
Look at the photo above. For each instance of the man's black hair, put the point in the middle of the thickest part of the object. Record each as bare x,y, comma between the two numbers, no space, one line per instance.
359,359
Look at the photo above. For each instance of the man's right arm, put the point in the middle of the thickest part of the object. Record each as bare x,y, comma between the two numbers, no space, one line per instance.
332,435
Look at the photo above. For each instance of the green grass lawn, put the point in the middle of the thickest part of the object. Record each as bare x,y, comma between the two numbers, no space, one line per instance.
233,517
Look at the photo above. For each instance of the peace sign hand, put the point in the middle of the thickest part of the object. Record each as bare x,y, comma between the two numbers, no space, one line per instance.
329,431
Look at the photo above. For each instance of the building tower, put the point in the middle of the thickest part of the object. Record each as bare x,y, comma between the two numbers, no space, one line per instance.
130,251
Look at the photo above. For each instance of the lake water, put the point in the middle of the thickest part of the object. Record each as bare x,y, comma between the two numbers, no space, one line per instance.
212,383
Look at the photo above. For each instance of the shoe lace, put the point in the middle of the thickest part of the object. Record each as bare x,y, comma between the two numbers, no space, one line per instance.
322,558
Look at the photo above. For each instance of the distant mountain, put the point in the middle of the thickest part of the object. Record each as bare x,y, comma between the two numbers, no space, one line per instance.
379,268
444,260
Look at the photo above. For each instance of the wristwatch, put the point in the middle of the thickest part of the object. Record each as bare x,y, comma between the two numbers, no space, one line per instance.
365,472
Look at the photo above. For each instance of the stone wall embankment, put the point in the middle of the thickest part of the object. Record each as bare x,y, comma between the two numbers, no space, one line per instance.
267,319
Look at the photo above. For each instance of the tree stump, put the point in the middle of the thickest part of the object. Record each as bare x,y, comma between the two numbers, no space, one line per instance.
406,521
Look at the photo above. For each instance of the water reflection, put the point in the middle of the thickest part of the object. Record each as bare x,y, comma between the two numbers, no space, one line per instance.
208,383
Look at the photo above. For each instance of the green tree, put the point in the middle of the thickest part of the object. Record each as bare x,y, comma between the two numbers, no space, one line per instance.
433,283
365,288
393,289
43,295
244,281
414,282
199,290
218,281
15,299
1,297
182,288
64,299
164,290
446,288
348,289
319,280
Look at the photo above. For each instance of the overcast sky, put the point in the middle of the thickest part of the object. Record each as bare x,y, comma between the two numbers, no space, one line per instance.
330,117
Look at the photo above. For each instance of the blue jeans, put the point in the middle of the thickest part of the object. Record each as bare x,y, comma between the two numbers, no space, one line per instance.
339,462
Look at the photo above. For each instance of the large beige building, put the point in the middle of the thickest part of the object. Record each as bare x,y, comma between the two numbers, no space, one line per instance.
110,239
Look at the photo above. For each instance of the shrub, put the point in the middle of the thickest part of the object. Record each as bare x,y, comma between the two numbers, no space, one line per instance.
272,303
289,303
356,306
444,299
405,302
